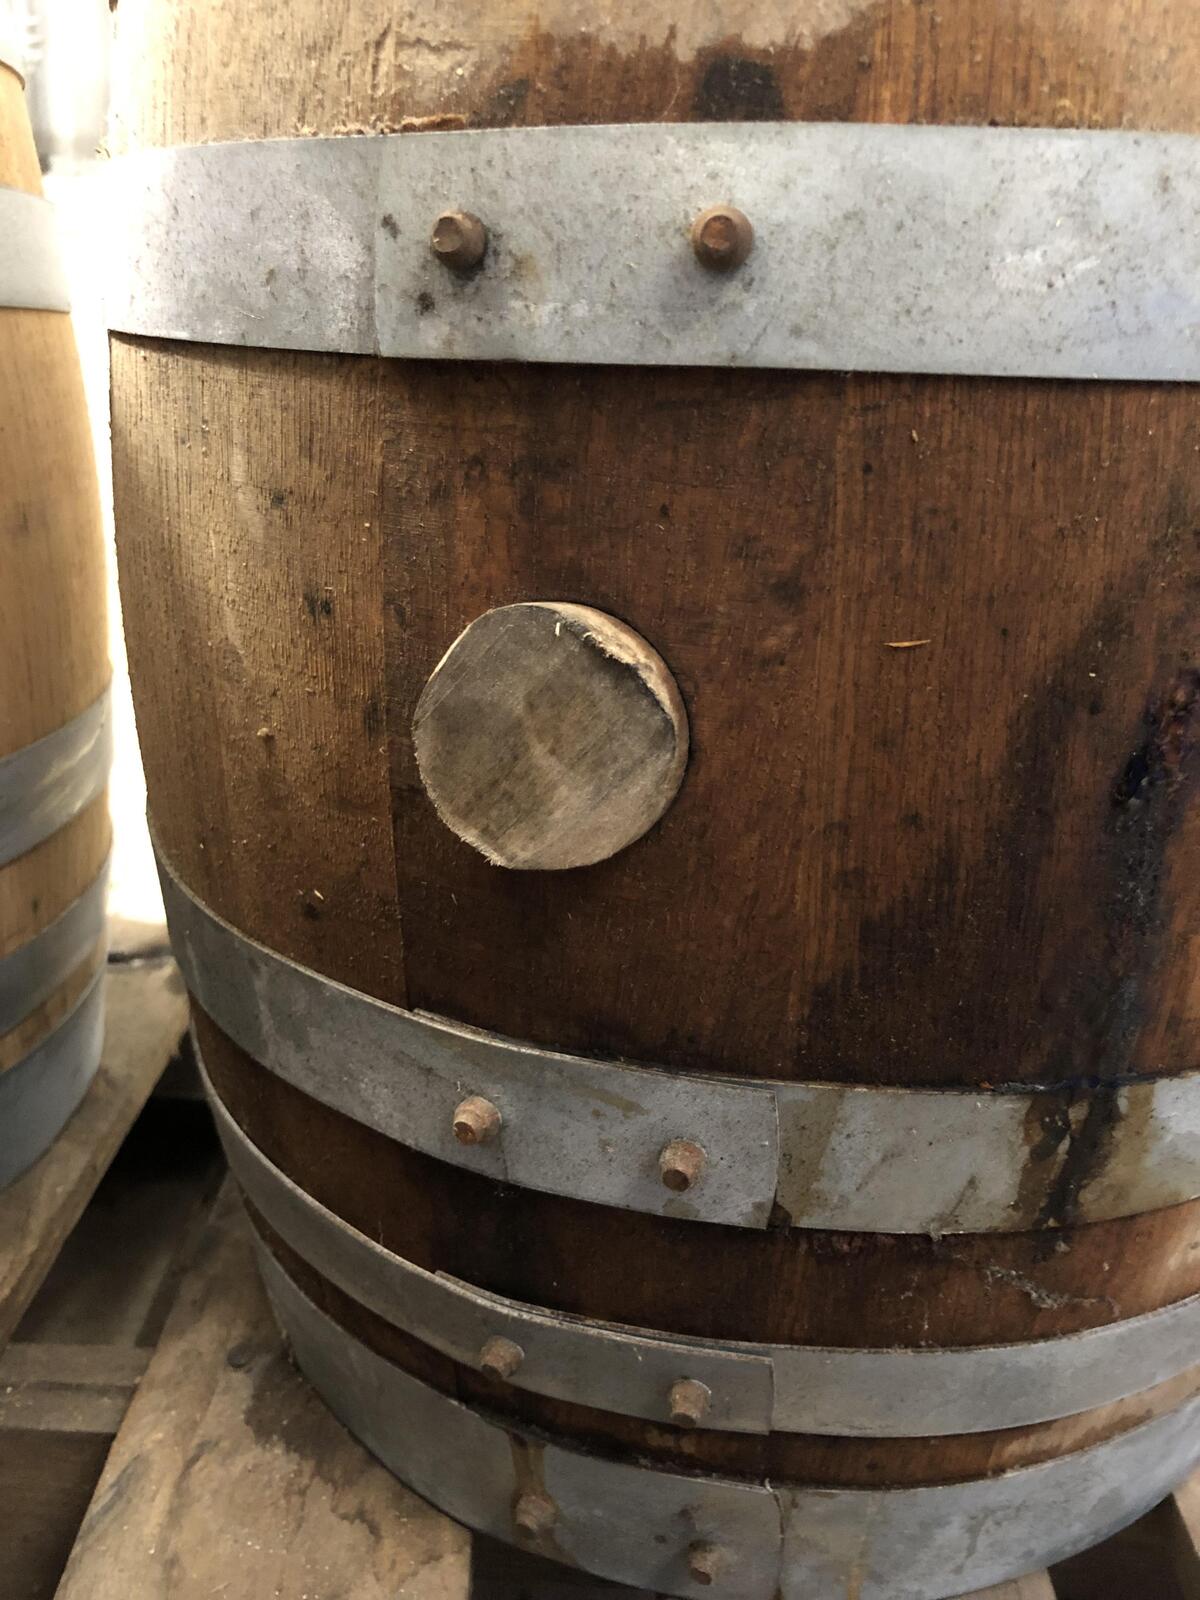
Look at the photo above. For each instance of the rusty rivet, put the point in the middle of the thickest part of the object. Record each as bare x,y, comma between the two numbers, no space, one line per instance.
476,1121
680,1164
501,1357
534,1513
722,238
459,240
688,1402
706,1562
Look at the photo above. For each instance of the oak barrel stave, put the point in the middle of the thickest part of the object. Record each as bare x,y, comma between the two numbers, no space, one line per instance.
55,840
967,864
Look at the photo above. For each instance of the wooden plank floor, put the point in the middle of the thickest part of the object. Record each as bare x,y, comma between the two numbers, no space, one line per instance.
230,1478
91,1288
146,1015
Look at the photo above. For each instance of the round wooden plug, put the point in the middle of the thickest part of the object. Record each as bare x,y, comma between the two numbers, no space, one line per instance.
550,735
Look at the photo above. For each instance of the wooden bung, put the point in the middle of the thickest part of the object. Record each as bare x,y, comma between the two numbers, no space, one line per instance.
550,736
965,863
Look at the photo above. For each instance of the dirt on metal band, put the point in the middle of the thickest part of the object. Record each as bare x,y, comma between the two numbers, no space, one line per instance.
835,1156
882,248
763,1541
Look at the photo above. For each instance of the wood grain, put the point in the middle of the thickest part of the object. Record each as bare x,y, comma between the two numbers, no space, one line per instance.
942,841
190,74
800,1286
256,644
53,643
53,640
972,863
146,1016
35,889
822,1459
550,736
39,886
230,1477
935,865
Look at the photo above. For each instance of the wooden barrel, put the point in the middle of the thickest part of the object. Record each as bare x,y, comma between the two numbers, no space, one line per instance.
659,555
54,721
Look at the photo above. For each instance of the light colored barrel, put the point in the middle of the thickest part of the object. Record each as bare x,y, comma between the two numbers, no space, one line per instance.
657,553
54,724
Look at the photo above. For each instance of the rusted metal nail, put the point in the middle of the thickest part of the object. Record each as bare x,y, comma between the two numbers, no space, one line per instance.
501,1357
722,238
476,1121
688,1402
534,1513
706,1562
459,240
681,1164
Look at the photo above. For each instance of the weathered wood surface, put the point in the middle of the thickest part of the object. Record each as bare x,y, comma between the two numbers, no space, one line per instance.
550,736
969,863
67,1376
230,1477
53,640
35,889
859,830
804,1286
921,865
146,1016
1108,63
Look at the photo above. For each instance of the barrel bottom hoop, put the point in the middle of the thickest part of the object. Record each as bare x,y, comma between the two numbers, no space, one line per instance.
870,1393
45,784
780,1542
39,1095
848,1158
32,972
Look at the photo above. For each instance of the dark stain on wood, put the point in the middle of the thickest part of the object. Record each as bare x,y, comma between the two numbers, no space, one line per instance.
734,88
806,1286
811,1459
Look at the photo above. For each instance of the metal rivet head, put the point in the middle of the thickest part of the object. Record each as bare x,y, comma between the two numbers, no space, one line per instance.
501,1357
476,1121
706,1562
688,1402
459,240
722,238
681,1164
534,1513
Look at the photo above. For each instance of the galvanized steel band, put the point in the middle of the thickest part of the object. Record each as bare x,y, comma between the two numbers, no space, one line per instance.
996,251
783,1542
755,1388
45,784
834,1156
34,970
31,271
40,1093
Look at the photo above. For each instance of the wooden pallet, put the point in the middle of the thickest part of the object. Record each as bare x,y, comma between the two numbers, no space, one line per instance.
73,1361
146,1016
229,1478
